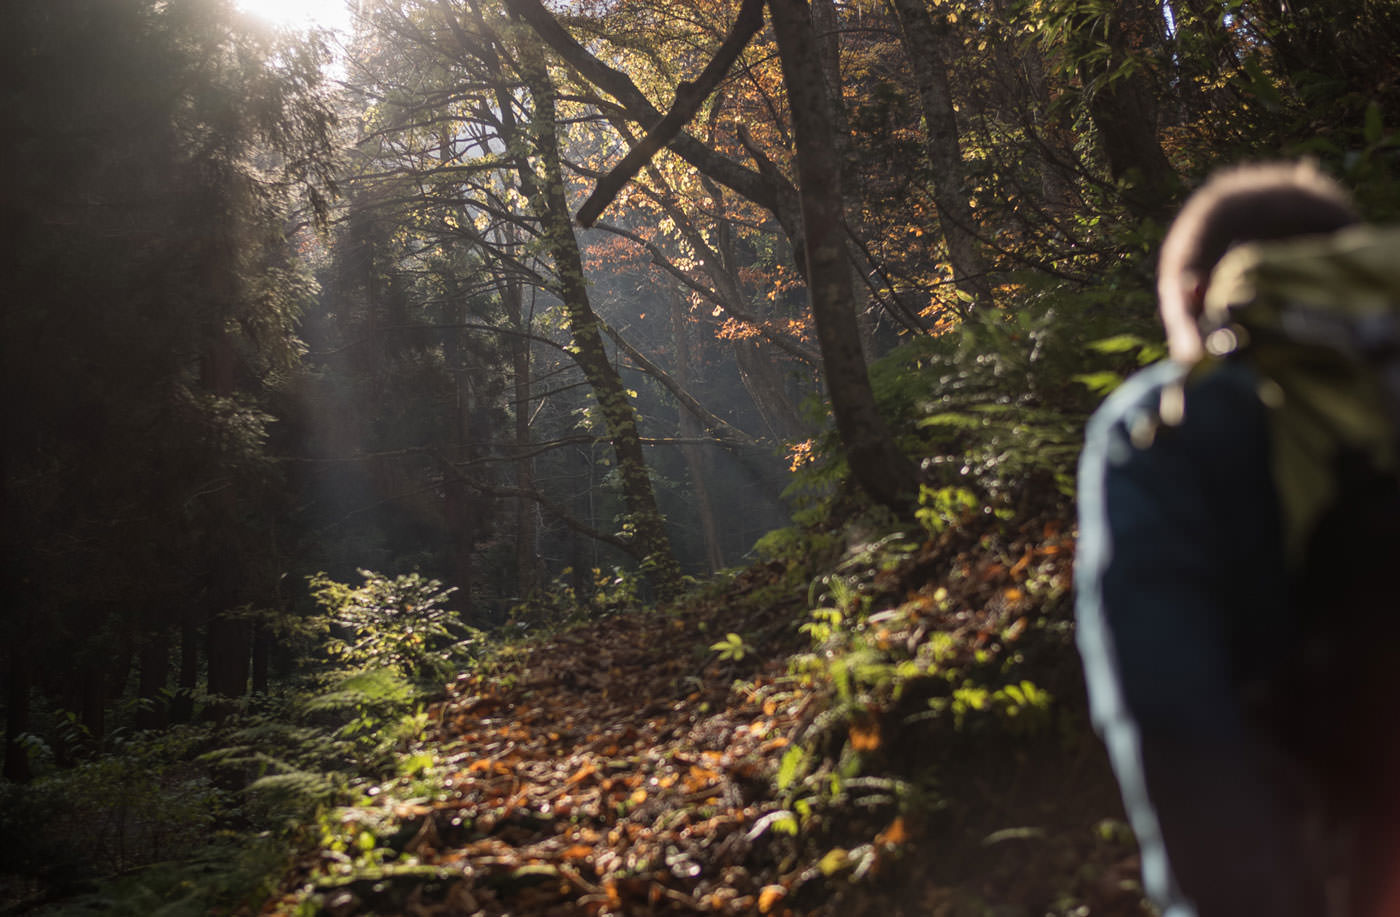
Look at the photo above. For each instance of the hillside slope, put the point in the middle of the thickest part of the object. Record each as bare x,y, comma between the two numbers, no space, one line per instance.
921,749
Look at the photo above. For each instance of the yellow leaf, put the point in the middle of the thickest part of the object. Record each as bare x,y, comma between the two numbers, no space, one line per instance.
835,860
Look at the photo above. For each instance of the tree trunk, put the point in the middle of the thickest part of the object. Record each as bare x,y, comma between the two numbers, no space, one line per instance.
767,188
648,529
262,658
460,514
155,671
228,639
17,685
1122,101
527,559
182,705
92,702
229,653
690,427
877,466
928,47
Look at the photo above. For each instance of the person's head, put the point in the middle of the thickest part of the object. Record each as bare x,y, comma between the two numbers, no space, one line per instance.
1242,204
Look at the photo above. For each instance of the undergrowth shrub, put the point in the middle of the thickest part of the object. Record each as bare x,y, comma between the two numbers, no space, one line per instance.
934,666
402,623
575,597
198,819
1003,402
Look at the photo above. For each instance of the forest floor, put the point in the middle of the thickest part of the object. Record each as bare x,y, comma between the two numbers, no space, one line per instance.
928,755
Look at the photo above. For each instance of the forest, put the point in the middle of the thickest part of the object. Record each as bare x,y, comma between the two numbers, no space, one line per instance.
606,457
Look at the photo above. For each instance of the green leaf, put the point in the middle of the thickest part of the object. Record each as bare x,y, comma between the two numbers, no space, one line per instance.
1260,83
1100,383
1119,343
790,768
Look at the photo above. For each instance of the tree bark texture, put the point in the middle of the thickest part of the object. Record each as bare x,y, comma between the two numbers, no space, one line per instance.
877,466
929,50
1122,101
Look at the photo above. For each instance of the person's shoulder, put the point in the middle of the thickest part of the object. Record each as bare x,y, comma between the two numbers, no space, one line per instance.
1138,396
1172,416
1222,387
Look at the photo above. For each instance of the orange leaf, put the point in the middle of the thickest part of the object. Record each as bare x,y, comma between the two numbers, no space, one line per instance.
576,852
865,737
894,835
699,777
769,896
582,774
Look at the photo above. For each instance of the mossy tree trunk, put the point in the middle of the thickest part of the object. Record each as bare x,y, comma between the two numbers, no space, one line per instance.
652,544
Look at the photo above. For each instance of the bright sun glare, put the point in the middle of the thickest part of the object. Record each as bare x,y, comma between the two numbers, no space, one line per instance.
328,14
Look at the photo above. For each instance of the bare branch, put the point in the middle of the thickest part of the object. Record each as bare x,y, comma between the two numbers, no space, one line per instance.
765,328
689,97
716,426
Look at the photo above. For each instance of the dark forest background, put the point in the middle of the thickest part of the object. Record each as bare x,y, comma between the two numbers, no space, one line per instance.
288,316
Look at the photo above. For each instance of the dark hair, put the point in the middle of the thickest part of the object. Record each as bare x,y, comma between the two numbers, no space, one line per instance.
1253,203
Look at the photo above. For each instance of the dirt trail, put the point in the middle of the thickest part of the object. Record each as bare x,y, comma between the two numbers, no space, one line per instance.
625,768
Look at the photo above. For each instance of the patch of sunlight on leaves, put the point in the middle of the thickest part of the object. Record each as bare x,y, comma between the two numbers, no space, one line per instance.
941,507
415,764
792,767
732,648
782,821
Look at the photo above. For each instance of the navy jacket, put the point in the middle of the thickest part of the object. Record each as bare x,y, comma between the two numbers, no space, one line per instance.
1183,615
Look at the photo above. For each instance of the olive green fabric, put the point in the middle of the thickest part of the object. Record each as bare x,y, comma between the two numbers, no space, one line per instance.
1315,317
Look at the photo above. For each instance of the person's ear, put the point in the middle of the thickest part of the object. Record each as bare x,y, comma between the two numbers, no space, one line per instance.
1181,304
1196,295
